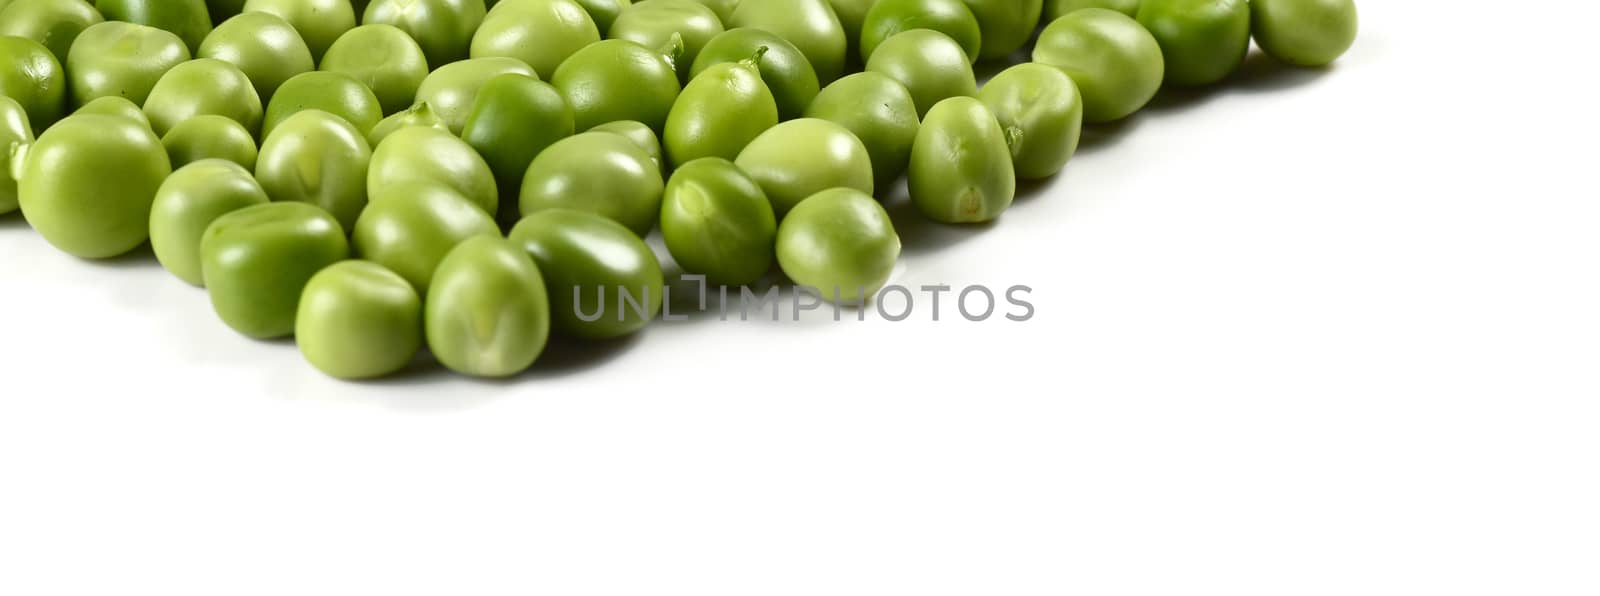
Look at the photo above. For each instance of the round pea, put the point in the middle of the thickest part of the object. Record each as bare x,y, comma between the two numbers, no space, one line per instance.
810,25
888,18
210,137
265,47
784,70
719,113
452,88
1007,24
930,65
839,242
410,229
417,115
424,155
318,158
87,184
617,79
1055,9
15,134
331,92
1202,41
384,59
53,23
1039,108
113,105
653,23
604,12
640,134
1115,62
604,282
189,19
717,222
185,205
540,33
598,172
121,59
30,74
961,169
203,86
256,261
513,120
443,28
319,22
487,313
879,111
357,320
799,158
1304,32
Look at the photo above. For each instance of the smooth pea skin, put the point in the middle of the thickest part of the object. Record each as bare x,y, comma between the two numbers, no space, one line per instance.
879,111
653,23
331,92
88,182
852,17
1115,62
602,173
203,86
722,8
112,105
1202,41
187,202
417,115
799,158
256,261
784,70
617,79
604,12
1055,9
641,135
266,48
357,320
717,222
410,229
961,169
32,76
540,33
1039,108
319,22
720,112
810,25
318,158
384,59
52,23
930,65
888,18
116,59
487,313
209,137
15,134
1308,33
595,269
424,155
189,19
443,28
513,120
1007,24
839,242
451,89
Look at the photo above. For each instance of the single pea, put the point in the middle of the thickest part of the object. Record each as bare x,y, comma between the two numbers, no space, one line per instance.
384,59
1307,33
185,205
15,134
799,158
487,313
653,23
425,155
1202,41
114,105
879,111
784,69
318,158
87,183
839,242
189,19
810,25
319,22
852,18
604,282
717,222
1007,24
266,48
513,120
417,115
331,92
540,33
598,172
410,229
720,112
617,79
443,28
209,137
1055,9
256,261
357,320
961,170
199,87
452,88
1039,108
52,23
30,74
641,135
888,18
930,65
121,59
604,12
1115,62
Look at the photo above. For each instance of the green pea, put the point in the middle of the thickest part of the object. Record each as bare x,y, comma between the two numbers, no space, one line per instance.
799,158
598,172
487,313
417,115
930,65
617,79
199,87
52,23
424,155
514,119
1115,62
1307,33
810,25
1202,41
604,282
30,74
1039,108
604,12
540,33
318,158
189,19
879,111
719,113
15,135
113,105
722,8
209,137
384,59
331,92
443,28
185,205
784,69
319,22
410,229
256,261
892,17
641,135
1055,9
852,18
121,59
717,222
87,183
961,170
653,23
265,47
840,242
452,88
357,320
1007,24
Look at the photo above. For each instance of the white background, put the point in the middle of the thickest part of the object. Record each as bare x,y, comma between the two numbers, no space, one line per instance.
1313,333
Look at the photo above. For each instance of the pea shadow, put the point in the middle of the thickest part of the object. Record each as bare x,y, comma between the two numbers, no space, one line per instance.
920,235
142,257
13,221
1098,137
1261,73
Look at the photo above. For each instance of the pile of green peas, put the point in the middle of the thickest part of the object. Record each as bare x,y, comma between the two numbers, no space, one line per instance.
376,177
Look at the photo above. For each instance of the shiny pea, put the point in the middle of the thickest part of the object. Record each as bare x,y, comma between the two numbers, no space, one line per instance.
87,184
1202,41
266,48
52,23
185,205
888,18
1304,32
257,260
1042,113
598,172
1007,24
410,229
799,158
654,23
717,222
617,79
839,242
319,22
604,282
961,170
930,64
487,313
417,115
122,60
15,134
852,18
30,74
384,59
318,158
722,8
604,12
443,28
209,137
203,86
357,320
451,89
513,120
879,111
810,25
540,33
424,155
331,92
1055,9
720,112
113,105
784,70
189,19
641,135
1115,62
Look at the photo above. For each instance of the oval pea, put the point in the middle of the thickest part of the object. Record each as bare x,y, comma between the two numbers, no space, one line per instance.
30,74
641,135
210,137
331,92
417,115
487,313
410,229
879,111
15,135
203,86
784,70
1202,41
189,19
604,282
654,23
452,88
1308,33
1039,108
719,112
839,242
266,48
540,33
1115,62
961,170
930,65
424,155
357,320
318,158
604,12
257,260
55,24
319,22
799,158
122,60
1055,9
185,205
87,184
443,28
888,18
514,119
716,222
1007,25
810,25
113,105
616,80
383,58
602,173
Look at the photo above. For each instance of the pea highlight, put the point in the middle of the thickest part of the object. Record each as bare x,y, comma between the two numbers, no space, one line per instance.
785,71
319,22
318,158
487,313
443,28
53,23
1115,62
888,18
1202,41
604,282
189,19
452,88
616,80
879,111
641,135
15,136
717,222
411,228
357,320
930,65
1308,33
1041,112
87,184
122,60
31,75
185,205
266,49
209,137
961,170
540,33
514,119
383,58
113,105
720,112
199,87
601,173
256,261
810,25
423,155
330,92
841,243
799,158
